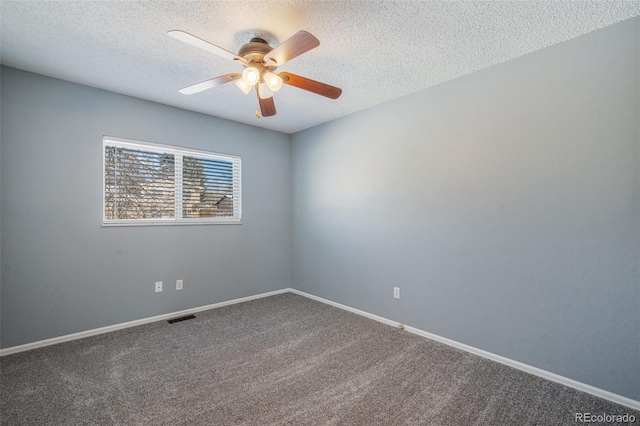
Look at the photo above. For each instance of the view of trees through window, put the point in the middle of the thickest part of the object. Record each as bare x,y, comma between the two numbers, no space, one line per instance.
144,184
207,187
138,184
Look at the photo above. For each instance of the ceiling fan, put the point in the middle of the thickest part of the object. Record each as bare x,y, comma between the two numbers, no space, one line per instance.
260,61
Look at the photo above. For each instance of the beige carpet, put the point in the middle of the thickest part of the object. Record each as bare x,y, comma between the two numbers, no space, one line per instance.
282,360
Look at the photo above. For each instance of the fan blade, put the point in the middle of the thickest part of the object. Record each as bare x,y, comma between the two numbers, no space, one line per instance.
295,45
267,106
202,44
311,85
190,90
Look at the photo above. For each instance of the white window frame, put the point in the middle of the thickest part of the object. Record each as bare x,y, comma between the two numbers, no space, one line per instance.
178,152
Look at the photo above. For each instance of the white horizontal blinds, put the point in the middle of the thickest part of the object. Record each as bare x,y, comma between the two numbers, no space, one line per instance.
208,187
237,188
139,183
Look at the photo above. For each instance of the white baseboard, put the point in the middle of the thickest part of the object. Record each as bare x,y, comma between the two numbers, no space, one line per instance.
601,393
102,330
610,396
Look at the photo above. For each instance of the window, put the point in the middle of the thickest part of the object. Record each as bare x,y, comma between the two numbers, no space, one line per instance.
156,184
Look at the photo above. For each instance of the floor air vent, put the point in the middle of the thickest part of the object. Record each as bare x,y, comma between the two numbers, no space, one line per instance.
187,317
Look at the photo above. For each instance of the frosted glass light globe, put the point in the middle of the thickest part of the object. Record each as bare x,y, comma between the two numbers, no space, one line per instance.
251,76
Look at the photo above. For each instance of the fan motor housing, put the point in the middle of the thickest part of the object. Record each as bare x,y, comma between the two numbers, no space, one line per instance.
255,50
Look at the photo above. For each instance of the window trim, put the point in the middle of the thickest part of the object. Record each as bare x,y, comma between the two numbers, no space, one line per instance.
176,151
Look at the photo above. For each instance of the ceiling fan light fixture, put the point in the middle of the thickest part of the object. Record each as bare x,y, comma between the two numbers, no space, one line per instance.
273,81
251,76
264,91
260,60
243,86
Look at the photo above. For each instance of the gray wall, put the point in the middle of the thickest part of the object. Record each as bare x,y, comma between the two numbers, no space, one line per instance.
505,204
63,273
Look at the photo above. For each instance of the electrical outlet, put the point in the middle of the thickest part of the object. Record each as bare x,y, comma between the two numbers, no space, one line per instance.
158,286
396,292
178,284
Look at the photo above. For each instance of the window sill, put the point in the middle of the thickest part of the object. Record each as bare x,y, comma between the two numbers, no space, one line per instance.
169,223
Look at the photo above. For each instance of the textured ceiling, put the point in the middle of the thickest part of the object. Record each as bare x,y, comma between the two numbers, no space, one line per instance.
374,51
